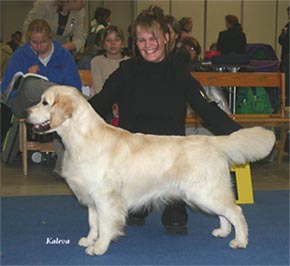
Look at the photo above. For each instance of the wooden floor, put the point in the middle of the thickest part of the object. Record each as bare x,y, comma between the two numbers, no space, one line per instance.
266,175
39,181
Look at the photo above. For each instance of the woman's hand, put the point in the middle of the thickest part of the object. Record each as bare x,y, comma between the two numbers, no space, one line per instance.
33,69
115,110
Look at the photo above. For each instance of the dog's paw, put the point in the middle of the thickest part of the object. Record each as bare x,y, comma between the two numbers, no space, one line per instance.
97,249
220,232
235,243
86,242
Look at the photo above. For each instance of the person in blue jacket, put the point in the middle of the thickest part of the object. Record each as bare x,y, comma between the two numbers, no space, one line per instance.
40,55
43,56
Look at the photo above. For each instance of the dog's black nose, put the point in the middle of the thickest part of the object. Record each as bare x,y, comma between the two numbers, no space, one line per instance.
25,114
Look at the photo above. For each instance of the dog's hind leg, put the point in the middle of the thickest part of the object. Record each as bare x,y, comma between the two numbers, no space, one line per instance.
225,228
93,233
111,222
236,217
230,213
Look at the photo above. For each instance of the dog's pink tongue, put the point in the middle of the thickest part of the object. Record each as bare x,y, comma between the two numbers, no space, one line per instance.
35,127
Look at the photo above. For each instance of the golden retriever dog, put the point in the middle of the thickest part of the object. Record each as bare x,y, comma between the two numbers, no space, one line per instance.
111,170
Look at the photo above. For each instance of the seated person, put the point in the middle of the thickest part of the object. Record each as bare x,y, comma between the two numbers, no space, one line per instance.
65,18
104,65
186,27
194,49
40,55
233,39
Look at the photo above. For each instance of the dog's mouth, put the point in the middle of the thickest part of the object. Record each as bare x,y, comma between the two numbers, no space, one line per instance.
41,128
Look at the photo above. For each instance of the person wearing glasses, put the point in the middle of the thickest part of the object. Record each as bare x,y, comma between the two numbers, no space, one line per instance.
194,49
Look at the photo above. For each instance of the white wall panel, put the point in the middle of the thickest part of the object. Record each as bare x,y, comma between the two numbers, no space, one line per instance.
141,5
195,10
91,7
260,21
13,14
122,14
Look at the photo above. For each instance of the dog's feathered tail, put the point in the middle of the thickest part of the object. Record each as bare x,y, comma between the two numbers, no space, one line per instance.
246,145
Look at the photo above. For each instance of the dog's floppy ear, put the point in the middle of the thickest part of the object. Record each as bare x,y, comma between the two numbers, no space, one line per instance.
61,110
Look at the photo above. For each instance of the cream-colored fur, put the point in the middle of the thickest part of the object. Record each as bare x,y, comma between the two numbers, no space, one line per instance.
112,170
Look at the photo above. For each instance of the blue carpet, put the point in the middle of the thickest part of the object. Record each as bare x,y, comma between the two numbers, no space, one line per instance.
27,222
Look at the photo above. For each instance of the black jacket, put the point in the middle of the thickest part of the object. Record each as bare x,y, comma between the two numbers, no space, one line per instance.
153,97
232,41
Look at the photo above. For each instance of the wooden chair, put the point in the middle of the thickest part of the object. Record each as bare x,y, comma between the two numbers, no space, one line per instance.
86,77
30,145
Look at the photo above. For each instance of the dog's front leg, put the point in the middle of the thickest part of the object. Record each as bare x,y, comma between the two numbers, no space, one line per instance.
93,233
111,222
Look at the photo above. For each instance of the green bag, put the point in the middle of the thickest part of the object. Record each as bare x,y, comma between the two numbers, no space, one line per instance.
253,101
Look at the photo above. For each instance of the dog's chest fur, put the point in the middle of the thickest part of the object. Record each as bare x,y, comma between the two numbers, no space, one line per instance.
81,190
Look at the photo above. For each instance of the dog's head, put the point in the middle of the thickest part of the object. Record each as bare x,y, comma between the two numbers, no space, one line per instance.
54,109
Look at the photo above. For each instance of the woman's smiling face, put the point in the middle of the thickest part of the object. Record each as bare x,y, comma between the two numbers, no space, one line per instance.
151,46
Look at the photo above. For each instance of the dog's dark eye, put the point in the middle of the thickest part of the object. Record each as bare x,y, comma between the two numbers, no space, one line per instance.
44,102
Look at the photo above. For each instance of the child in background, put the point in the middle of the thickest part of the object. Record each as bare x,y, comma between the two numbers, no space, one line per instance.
102,66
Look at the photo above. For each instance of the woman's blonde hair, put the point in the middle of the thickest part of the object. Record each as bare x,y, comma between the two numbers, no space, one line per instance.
151,20
38,26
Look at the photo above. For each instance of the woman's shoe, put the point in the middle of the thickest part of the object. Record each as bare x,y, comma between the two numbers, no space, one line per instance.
174,218
138,218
